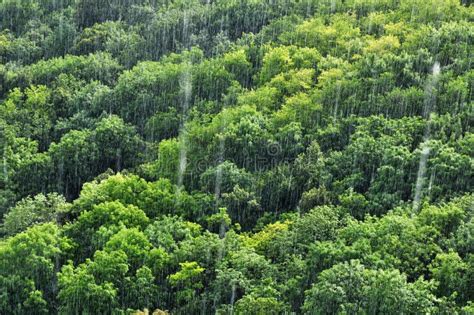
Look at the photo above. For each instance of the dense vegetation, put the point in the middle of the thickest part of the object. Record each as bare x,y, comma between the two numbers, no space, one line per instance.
237,156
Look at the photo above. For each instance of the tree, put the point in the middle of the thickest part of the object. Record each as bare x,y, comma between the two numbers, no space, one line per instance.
95,37
74,160
167,162
450,271
30,211
133,243
319,224
264,299
299,108
102,223
187,283
142,292
169,231
99,66
79,293
224,177
334,38
117,142
31,112
350,287
28,268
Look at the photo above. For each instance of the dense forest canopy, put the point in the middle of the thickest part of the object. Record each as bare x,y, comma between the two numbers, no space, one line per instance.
236,157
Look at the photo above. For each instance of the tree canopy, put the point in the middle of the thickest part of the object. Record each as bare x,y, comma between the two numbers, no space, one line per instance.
236,157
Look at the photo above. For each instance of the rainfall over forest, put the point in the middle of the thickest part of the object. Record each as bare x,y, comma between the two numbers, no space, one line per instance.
255,157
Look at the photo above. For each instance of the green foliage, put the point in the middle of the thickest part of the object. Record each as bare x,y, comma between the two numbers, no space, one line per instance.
352,288
154,198
30,211
451,273
262,300
80,294
236,157
28,266
187,282
99,66
93,229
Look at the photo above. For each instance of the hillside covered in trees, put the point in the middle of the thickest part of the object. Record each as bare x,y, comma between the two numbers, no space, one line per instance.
236,156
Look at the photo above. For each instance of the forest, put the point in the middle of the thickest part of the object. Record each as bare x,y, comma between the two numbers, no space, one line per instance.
255,157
